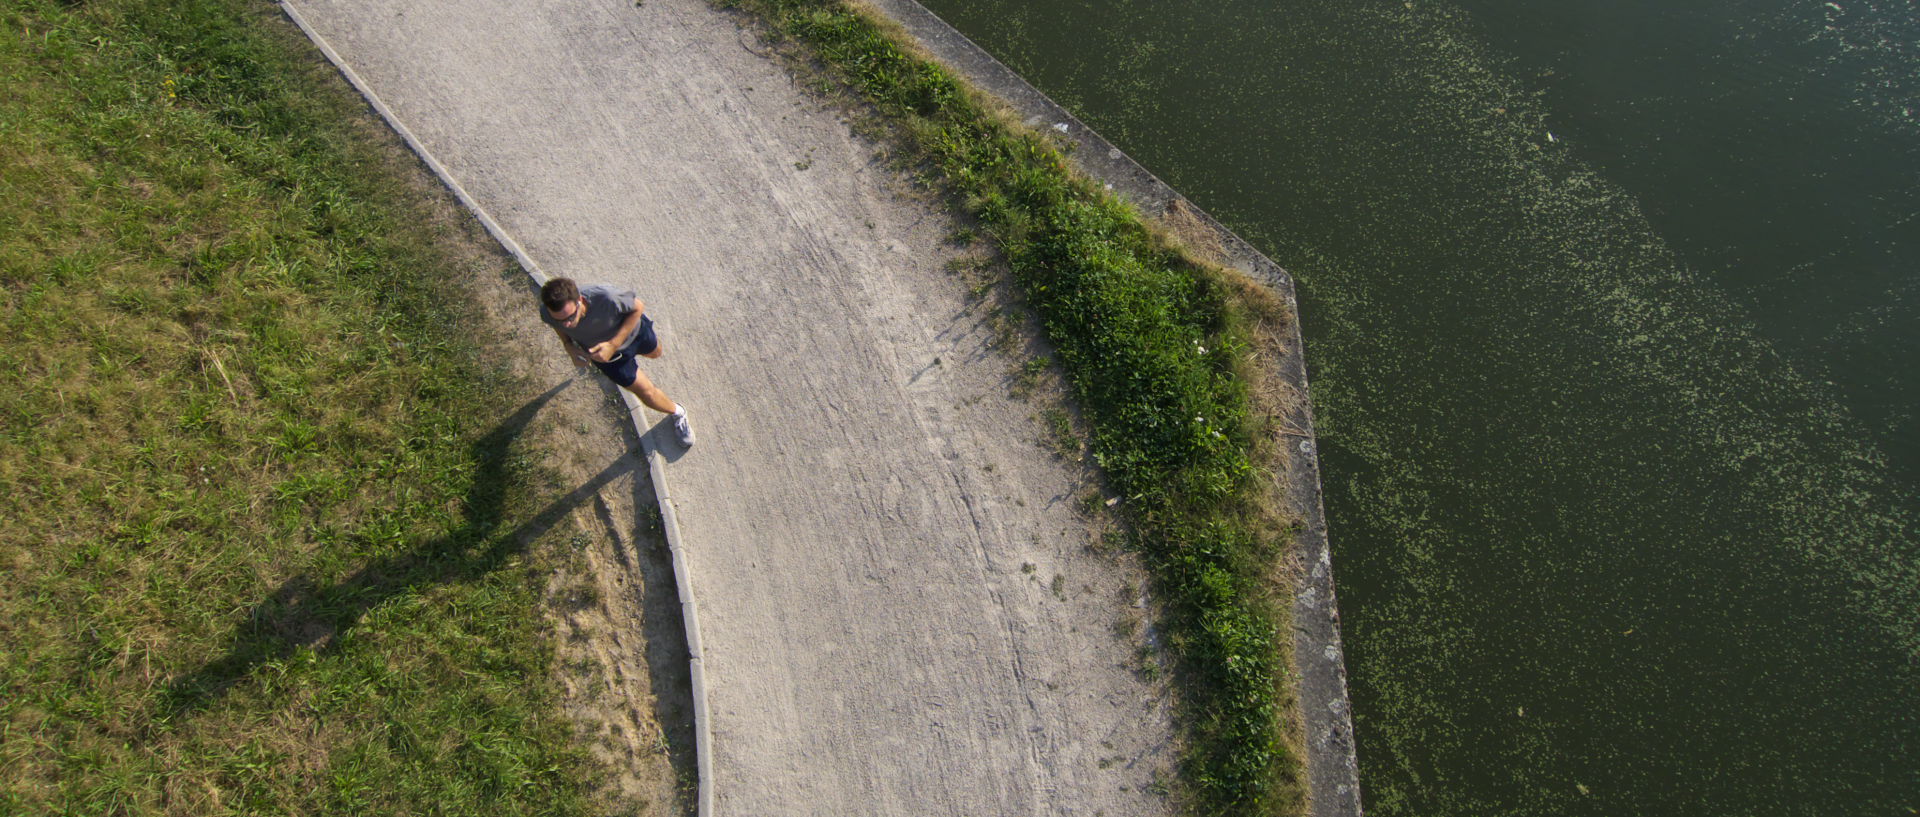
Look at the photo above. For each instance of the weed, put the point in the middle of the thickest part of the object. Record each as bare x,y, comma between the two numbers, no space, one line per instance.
972,263
581,596
1089,502
1060,438
1003,326
1148,665
1027,378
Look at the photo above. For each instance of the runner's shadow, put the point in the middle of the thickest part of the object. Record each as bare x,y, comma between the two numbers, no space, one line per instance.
664,440
303,613
664,626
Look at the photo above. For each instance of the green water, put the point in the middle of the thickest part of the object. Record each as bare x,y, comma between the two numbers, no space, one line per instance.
1611,316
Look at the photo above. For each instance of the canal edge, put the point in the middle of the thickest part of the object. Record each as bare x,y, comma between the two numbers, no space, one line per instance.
1319,655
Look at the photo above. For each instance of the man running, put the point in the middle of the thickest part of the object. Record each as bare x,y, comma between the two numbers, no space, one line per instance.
608,327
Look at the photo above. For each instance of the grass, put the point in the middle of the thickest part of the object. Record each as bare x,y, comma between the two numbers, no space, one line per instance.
271,540
1154,346
1028,377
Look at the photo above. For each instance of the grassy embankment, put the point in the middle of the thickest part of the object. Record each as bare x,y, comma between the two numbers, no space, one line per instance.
261,538
1155,347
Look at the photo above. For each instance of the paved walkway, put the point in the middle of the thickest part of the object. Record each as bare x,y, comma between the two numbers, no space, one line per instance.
900,611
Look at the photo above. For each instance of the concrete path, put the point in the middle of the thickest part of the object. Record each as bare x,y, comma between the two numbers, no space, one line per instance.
901,611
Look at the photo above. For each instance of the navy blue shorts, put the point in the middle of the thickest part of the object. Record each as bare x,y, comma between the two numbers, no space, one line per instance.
626,364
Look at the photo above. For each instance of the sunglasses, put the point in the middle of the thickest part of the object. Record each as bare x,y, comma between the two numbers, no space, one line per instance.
575,310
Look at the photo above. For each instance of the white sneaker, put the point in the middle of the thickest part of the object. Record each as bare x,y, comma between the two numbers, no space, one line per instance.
682,427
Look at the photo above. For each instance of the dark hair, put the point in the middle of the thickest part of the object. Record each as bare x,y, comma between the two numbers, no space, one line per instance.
558,292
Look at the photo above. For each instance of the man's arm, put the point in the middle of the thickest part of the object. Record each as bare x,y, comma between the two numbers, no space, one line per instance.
572,349
628,324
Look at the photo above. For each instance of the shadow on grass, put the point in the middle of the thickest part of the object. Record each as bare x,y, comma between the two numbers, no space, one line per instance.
302,614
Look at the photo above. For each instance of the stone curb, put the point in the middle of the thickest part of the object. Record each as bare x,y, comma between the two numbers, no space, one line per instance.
656,464
1332,767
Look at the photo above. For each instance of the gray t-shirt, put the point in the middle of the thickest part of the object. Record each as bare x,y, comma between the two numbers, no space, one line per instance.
606,308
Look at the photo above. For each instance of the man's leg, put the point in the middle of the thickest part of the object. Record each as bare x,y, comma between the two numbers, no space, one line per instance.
657,400
626,372
650,394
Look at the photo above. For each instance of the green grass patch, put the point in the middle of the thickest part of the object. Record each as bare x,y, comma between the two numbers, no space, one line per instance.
1153,345
264,538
